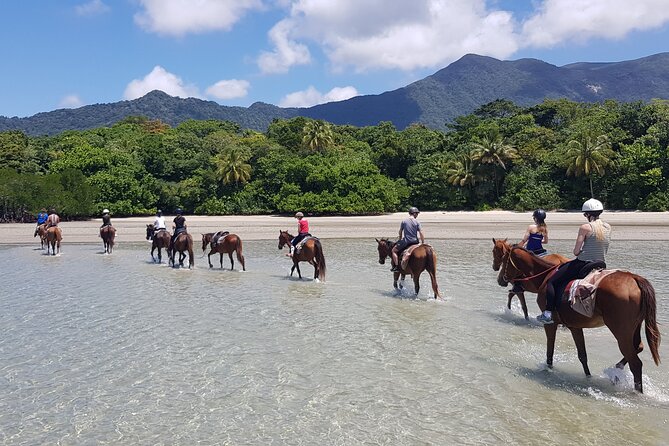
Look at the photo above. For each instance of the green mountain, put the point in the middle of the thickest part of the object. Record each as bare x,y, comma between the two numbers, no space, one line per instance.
456,90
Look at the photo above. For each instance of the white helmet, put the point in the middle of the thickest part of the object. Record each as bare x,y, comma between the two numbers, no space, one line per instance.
592,205
105,211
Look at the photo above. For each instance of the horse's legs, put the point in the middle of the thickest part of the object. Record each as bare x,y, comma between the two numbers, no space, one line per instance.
299,273
416,282
395,277
232,262
523,304
579,340
629,352
209,258
551,331
637,343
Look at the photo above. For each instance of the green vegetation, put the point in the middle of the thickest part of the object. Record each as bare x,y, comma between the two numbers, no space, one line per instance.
552,155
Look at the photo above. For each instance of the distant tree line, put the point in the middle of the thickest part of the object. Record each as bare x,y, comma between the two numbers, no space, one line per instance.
553,155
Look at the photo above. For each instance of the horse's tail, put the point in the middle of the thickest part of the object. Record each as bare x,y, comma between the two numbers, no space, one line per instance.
320,260
431,267
240,255
648,307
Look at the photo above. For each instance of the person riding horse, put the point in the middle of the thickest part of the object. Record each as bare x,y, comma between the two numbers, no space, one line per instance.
179,225
302,233
41,219
410,231
53,219
159,222
592,243
106,219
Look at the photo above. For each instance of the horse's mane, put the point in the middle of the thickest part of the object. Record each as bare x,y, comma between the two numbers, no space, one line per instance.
537,259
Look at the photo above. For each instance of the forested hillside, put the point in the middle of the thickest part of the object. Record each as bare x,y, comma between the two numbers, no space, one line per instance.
553,155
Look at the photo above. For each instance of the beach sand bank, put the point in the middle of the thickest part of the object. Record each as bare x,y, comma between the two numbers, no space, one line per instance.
436,225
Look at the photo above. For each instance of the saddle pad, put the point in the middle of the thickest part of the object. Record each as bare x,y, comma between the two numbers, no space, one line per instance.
219,237
582,293
301,243
406,254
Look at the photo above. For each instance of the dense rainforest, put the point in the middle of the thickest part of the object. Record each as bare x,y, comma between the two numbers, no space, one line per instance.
552,155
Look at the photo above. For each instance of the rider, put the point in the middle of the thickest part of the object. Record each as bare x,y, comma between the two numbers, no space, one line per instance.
410,231
159,222
41,218
592,243
302,232
179,225
106,218
53,219
536,234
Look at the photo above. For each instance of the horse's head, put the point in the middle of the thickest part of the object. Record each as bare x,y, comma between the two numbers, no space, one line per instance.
500,250
284,238
206,239
149,231
384,247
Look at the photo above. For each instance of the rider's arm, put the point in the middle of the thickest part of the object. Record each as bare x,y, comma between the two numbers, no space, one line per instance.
526,237
583,232
421,236
545,240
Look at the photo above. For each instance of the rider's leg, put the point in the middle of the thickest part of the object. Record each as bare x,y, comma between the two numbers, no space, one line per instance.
393,257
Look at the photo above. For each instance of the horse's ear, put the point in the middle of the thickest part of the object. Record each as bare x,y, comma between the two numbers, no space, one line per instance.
377,240
493,240
506,239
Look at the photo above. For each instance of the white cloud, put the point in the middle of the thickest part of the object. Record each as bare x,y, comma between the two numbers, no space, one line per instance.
557,21
179,17
387,34
70,101
286,52
160,79
229,89
311,96
94,7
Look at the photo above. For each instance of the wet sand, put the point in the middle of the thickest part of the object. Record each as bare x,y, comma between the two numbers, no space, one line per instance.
437,225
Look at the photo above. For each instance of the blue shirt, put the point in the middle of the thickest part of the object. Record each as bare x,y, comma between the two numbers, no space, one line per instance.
534,241
410,227
41,217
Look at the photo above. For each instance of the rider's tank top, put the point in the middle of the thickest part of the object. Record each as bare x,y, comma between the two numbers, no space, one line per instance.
594,249
534,241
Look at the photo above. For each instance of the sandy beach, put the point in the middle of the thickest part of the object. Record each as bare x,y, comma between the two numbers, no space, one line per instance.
439,225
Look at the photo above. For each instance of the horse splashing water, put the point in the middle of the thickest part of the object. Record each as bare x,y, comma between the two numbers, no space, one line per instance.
311,252
423,258
108,234
624,301
226,244
160,240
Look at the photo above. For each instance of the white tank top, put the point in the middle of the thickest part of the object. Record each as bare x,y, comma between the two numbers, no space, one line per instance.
594,249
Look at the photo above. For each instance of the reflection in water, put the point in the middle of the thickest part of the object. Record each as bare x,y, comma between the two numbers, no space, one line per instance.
116,349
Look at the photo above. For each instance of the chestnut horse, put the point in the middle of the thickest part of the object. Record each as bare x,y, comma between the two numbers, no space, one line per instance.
53,237
311,252
500,250
41,231
423,258
228,243
108,233
183,243
624,300
160,240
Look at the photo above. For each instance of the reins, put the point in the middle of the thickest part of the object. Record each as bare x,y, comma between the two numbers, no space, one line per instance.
523,279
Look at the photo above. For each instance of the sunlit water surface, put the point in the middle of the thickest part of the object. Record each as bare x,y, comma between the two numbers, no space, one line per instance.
113,349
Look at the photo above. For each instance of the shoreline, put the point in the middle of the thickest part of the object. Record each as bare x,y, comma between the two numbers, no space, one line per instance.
457,225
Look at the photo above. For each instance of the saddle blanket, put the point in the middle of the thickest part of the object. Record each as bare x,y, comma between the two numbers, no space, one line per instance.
219,237
582,293
301,243
406,254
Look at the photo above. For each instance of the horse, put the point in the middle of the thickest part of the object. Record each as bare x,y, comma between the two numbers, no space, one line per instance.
161,239
423,258
108,233
624,300
311,252
183,243
500,250
41,231
228,243
53,237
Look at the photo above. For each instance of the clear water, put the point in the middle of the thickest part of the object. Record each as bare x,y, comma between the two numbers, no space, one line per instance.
113,349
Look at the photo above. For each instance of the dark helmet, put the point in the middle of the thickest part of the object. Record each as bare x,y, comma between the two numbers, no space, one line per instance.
179,211
413,210
539,214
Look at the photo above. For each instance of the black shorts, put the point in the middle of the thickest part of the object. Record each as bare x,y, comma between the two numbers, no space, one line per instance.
404,244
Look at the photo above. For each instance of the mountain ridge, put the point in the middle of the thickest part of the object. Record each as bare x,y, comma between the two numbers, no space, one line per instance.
458,89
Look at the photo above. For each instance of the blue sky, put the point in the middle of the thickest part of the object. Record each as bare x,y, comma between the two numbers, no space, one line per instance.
69,53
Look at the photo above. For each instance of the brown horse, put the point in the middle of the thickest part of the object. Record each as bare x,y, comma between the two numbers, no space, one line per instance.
53,237
624,300
423,258
228,243
161,239
183,243
311,252
500,251
108,233
41,231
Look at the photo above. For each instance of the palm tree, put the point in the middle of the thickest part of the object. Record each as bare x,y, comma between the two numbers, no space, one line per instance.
317,135
588,155
494,150
232,166
461,171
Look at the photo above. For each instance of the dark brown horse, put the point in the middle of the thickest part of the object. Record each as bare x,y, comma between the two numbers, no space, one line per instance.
228,243
500,251
423,258
108,234
183,243
161,239
624,300
311,252
53,237
41,231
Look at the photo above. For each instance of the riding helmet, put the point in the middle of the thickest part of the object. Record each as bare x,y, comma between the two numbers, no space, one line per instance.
159,213
539,214
105,211
592,205
413,210
179,211
299,214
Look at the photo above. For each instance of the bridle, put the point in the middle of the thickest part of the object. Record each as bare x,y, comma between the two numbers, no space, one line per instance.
505,266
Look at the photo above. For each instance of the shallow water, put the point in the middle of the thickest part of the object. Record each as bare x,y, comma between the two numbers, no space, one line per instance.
117,350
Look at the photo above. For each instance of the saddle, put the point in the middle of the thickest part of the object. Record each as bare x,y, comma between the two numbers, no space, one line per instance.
301,243
219,236
406,254
581,292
